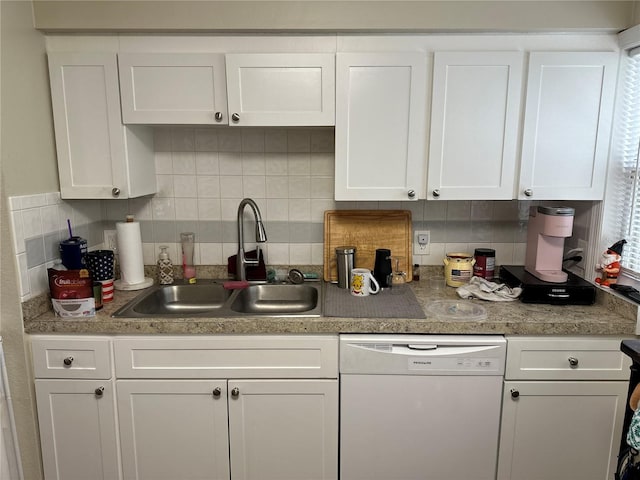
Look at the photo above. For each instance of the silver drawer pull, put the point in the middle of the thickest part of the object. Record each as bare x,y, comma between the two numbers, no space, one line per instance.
573,361
235,392
68,361
99,391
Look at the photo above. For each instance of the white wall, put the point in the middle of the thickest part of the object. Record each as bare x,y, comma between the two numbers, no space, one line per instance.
328,15
28,149
27,164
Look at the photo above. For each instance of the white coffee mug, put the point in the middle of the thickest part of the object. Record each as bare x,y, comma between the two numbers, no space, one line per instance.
363,283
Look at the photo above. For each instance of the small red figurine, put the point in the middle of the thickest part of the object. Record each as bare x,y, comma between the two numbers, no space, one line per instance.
610,265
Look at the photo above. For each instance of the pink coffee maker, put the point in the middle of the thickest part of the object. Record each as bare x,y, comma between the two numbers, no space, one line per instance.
548,227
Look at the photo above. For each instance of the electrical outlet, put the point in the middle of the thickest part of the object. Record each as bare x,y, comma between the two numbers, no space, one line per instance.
583,245
111,240
421,242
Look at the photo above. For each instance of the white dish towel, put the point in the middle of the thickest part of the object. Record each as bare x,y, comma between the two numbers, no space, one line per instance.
479,287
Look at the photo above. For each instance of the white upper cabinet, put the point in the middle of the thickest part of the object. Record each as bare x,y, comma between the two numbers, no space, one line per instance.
380,132
567,125
173,88
281,89
98,157
474,125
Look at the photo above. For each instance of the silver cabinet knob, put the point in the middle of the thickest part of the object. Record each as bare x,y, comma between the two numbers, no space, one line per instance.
411,193
68,361
436,193
235,392
235,117
99,391
514,393
217,391
218,116
115,192
573,361
528,192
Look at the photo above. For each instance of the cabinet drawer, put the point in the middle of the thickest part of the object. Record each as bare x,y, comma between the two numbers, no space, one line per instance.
561,358
56,357
286,356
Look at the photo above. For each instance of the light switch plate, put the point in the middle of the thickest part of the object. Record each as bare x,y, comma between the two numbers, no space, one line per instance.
422,242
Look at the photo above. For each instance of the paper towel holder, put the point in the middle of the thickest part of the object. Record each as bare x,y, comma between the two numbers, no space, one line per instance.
132,238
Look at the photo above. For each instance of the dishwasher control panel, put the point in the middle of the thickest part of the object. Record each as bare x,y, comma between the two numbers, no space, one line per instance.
461,364
422,354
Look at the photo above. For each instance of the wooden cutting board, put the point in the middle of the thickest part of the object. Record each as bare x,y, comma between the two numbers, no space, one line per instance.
367,230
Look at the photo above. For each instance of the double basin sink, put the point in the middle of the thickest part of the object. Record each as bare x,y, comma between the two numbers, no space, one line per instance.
211,299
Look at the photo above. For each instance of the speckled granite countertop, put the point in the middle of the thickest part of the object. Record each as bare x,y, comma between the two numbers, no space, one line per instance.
609,316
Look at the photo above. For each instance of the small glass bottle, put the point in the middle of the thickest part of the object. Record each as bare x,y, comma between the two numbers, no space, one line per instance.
165,267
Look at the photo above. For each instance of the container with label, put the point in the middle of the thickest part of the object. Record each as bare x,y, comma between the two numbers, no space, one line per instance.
485,263
458,269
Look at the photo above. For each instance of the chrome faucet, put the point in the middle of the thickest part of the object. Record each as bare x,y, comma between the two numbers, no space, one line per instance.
261,236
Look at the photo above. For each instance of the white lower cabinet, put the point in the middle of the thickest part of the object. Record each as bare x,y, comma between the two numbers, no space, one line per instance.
240,429
77,429
227,407
283,429
76,415
272,413
563,408
173,429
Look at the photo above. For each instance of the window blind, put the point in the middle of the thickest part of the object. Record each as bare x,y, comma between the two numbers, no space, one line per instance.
625,192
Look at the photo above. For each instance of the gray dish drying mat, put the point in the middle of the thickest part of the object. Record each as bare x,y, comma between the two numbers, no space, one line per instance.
338,302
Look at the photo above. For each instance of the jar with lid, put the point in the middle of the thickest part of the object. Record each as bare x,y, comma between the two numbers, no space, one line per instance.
485,263
458,268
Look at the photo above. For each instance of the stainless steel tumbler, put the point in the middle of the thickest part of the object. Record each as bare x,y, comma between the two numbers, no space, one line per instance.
345,259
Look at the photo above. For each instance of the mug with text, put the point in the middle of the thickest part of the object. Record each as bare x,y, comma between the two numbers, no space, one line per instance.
363,283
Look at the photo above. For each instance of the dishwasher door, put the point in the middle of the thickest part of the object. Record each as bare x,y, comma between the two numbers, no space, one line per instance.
415,407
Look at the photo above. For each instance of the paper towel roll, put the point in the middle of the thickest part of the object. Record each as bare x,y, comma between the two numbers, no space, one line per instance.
130,253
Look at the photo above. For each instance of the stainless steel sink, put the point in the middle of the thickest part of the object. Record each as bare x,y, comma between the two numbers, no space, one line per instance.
177,300
276,299
211,299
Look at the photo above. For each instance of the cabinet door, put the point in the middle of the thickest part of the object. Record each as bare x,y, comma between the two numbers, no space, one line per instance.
567,125
97,156
86,114
178,88
173,429
380,126
561,430
281,89
77,429
474,125
283,429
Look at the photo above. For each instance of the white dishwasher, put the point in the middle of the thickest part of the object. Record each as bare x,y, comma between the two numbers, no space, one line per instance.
420,407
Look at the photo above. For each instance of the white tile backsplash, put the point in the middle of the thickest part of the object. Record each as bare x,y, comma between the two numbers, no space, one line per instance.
49,215
207,163
163,208
186,208
206,140
230,163
185,186
32,222
163,163
184,163
18,232
202,175
209,209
